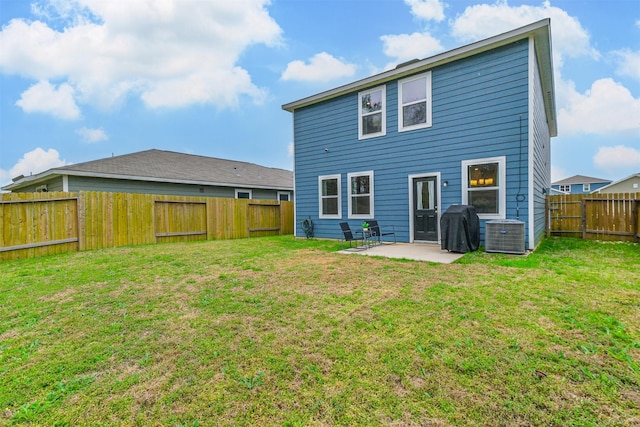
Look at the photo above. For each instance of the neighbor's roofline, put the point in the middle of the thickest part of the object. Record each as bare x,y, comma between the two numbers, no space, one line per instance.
52,173
616,182
540,31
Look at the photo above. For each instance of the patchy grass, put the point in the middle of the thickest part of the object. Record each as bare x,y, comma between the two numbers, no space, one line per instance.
278,331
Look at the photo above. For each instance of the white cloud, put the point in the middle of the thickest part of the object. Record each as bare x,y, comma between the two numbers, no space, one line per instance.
427,9
629,63
43,97
37,161
92,135
404,47
569,37
607,108
618,157
170,53
321,67
557,173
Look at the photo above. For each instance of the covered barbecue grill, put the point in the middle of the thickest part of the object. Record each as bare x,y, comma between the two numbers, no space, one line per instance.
460,227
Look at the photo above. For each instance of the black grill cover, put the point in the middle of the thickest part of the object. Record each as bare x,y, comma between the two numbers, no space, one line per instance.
460,227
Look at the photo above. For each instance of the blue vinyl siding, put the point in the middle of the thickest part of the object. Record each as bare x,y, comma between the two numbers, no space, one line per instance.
578,188
77,183
541,160
480,109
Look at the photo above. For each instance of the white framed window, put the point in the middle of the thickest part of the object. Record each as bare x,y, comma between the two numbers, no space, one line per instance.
414,102
565,188
243,194
586,187
372,113
329,196
484,186
360,194
284,196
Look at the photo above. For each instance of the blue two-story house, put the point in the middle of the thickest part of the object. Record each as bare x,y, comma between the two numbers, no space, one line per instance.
579,184
468,126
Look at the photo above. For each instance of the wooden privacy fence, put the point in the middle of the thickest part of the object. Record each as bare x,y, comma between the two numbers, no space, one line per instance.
37,224
594,216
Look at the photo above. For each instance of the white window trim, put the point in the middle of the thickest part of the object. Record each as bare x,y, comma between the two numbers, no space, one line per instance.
401,127
288,193
564,188
383,112
339,196
244,190
586,187
371,199
502,187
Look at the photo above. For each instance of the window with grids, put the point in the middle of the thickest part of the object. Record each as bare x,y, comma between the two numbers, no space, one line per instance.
372,113
414,99
329,195
484,186
360,194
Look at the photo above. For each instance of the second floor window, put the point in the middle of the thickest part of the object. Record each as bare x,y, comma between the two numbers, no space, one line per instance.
414,99
372,113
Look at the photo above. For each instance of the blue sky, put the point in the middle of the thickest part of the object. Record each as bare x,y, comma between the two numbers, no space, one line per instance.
86,79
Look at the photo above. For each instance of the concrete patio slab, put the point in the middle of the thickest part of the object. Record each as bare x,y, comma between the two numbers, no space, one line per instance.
414,251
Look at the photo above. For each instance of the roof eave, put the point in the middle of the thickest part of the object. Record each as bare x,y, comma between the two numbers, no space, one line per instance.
56,172
540,31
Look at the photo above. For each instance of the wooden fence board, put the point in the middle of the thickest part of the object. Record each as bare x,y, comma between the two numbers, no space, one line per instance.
594,216
35,224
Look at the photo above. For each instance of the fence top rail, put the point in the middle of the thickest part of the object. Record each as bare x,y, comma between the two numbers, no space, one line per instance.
191,202
55,199
599,199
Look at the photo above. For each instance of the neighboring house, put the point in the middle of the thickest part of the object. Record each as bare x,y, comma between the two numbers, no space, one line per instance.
630,184
467,126
579,184
164,172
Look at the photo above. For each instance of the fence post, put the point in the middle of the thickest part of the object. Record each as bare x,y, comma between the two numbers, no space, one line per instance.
82,221
547,217
583,219
635,213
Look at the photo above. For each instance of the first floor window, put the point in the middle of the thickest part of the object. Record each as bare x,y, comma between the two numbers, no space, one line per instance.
565,188
284,196
484,186
360,194
329,192
243,194
586,187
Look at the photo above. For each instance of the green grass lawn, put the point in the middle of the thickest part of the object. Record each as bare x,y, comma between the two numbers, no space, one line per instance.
278,331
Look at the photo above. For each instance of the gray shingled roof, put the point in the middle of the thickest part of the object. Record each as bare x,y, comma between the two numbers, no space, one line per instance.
170,166
580,179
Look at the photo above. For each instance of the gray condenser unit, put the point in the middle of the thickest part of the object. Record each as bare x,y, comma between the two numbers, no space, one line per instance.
506,236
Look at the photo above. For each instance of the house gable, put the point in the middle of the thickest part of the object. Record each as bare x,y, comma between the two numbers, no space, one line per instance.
485,105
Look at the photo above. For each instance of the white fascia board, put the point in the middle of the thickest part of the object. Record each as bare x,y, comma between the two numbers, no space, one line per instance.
531,149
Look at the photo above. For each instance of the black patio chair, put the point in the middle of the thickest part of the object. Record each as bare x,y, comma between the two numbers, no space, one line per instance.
378,233
349,236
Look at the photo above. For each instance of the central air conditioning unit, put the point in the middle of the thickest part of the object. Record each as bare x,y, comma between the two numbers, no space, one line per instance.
505,236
